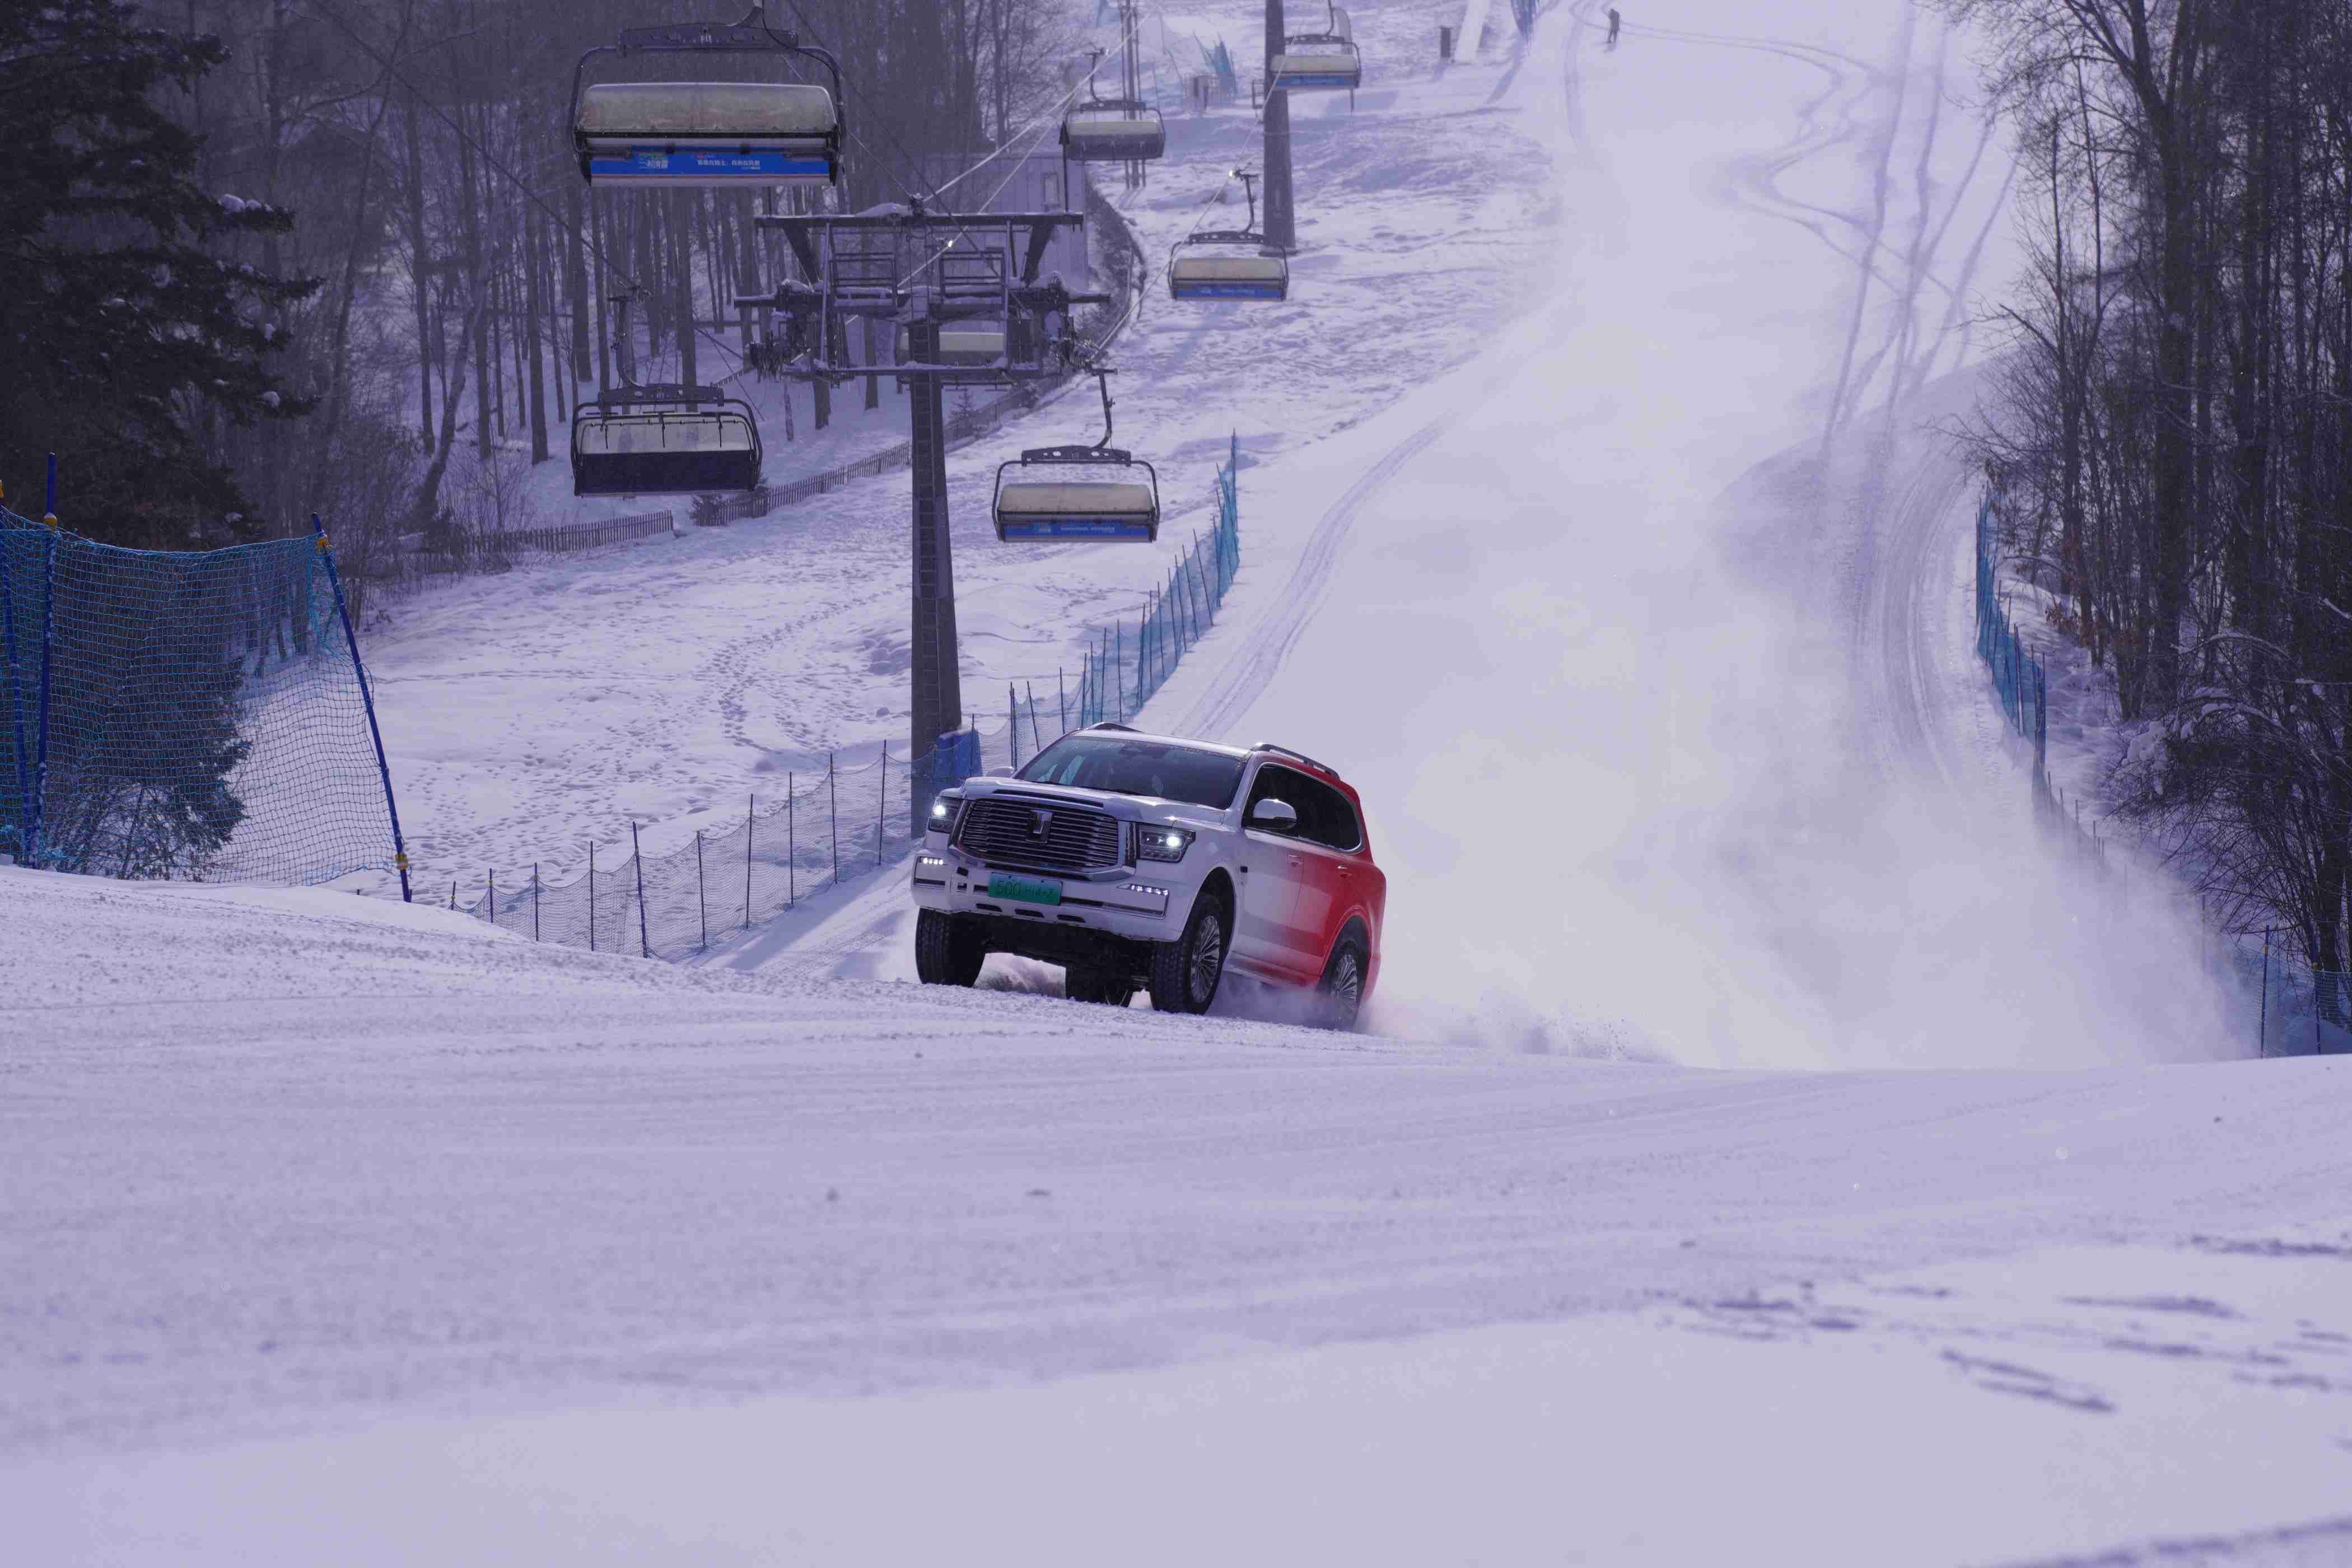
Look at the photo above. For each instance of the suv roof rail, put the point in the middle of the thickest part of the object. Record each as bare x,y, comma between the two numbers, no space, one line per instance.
1295,756
1107,724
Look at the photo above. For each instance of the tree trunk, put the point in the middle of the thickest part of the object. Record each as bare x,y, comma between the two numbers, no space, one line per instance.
420,263
531,341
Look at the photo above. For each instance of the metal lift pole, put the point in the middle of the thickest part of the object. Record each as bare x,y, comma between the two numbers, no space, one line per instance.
1130,27
936,678
1281,228
992,272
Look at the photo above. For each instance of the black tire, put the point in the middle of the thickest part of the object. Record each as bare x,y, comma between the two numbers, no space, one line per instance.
1185,972
1340,994
948,950
1097,985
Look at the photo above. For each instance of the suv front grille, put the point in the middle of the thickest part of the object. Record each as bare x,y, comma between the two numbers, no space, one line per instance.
1068,839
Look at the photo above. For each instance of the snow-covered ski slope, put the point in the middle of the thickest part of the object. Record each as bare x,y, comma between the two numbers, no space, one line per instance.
342,1231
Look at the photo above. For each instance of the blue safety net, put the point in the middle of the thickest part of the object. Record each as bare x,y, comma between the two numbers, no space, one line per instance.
188,715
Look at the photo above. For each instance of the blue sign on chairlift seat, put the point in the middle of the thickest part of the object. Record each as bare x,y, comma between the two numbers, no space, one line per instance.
659,132
1227,264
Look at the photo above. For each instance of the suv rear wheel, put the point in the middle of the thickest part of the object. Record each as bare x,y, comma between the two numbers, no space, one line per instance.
948,950
1185,972
1097,985
1341,990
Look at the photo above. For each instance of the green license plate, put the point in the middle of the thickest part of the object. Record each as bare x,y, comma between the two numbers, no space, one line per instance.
1024,889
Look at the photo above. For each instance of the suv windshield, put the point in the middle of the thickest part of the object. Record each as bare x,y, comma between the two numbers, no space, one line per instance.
1117,765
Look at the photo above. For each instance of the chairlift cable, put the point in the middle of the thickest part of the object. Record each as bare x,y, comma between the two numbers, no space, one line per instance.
1054,113
980,217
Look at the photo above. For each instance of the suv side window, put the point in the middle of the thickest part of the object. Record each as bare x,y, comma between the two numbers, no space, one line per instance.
1332,823
1276,782
1324,817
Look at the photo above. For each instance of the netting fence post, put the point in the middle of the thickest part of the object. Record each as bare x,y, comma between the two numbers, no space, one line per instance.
751,817
15,707
881,805
48,652
534,901
1061,694
494,898
792,848
833,814
592,895
702,892
1013,725
637,857
367,702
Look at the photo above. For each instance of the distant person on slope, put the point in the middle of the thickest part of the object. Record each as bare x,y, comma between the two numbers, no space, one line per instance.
1615,21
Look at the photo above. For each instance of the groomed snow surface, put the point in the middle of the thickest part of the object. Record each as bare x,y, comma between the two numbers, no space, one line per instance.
1761,1156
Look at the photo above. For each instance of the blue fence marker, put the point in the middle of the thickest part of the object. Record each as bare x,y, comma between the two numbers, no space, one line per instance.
367,700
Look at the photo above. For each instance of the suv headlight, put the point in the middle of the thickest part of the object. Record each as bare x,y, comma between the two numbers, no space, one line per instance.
943,815
1162,843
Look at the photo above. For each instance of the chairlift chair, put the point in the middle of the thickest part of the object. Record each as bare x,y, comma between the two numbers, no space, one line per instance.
1096,492
659,133
664,441
1229,263
1113,131
1328,61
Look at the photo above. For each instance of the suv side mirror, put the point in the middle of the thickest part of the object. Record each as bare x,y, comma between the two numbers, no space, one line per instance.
1274,817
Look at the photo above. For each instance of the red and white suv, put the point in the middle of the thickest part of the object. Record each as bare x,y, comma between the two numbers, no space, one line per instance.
1147,862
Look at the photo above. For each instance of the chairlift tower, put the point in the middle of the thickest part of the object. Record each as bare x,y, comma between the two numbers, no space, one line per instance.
1281,224
1130,27
924,272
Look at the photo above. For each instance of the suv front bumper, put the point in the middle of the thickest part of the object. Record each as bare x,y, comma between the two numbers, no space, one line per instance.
1123,902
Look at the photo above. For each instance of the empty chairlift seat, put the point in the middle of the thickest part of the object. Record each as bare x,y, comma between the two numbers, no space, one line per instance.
1113,133
708,133
621,447
1321,64
1077,493
1227,266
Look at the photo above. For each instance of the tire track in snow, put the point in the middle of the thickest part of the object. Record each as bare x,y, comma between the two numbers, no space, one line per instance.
1896,622
1249,671
1246,675
1841,400
1909,525
1756,178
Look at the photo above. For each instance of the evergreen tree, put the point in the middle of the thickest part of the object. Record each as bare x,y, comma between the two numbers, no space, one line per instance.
128,328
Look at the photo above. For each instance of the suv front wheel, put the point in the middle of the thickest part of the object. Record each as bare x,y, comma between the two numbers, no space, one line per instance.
1185,972
948,950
